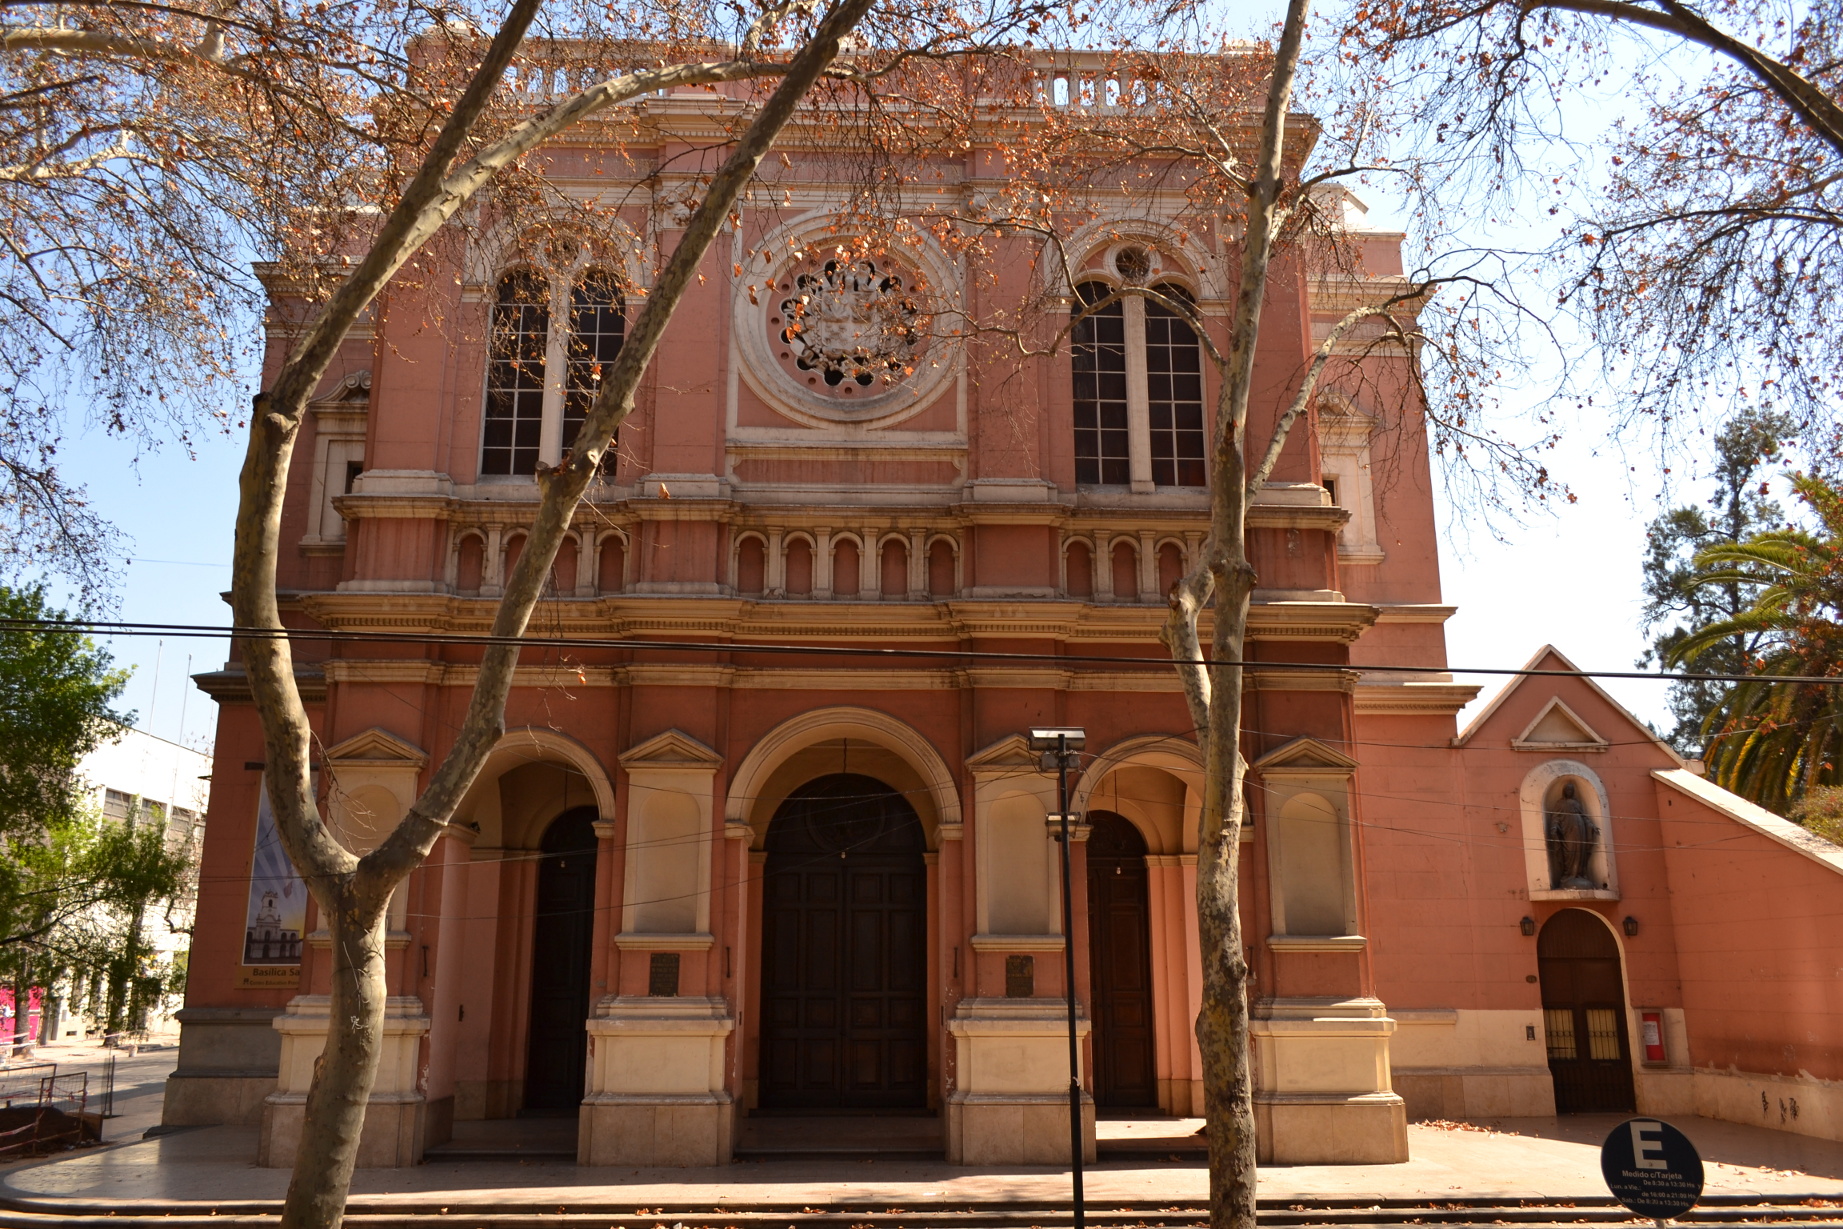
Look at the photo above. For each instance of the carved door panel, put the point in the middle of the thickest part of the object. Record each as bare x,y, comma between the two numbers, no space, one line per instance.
843,948
1584,1016
562,935
1120,963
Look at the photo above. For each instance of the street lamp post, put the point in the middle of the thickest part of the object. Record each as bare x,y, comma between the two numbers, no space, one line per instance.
1061,748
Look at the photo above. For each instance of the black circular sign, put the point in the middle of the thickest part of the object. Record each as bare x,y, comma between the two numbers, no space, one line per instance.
1652,1168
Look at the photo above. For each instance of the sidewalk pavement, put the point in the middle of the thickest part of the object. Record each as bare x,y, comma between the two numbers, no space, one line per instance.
1527,1158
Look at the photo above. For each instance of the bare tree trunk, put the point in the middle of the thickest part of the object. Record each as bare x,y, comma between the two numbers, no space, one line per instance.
351,892
346,1070
1214,692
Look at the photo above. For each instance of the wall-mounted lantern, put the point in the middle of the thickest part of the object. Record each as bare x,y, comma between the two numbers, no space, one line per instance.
1630,926
1527,925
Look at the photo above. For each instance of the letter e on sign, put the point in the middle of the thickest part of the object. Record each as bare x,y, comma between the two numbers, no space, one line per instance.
1647,1145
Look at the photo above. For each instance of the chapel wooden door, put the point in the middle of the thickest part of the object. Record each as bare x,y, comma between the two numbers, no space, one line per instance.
1120,963
562,934
844,944
1583,1014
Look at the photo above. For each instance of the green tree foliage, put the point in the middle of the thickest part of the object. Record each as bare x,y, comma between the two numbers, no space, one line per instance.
1676,599
55,693
1775,742
75,887
1821,811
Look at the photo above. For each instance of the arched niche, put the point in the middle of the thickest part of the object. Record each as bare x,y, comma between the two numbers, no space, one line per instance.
842,739
1156,781
531,776
1541,787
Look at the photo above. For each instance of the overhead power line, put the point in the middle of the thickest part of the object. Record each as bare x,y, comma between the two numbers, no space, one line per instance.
335,635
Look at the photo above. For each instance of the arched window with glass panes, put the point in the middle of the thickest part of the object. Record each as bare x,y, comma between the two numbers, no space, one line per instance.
1138,391
540,380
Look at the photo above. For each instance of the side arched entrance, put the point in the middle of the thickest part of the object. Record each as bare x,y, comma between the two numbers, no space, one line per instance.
844,946
1584,1016
1120,963
562,935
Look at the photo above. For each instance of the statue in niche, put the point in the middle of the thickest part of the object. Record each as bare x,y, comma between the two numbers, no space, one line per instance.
1572,837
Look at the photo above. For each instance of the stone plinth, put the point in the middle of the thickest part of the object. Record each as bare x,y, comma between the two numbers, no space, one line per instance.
656,1094
1323,1095
1010,1104
395,1116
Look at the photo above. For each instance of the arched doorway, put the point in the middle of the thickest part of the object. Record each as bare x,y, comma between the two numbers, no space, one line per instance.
844,946
1120,963
562,935
1583,1015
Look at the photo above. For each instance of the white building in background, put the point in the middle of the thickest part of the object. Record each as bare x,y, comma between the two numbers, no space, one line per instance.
146,779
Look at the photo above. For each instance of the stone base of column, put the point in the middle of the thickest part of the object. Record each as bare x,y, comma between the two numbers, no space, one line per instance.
1018,1129
1010,1104
1322,1079
655,1130
396,1116
656,1094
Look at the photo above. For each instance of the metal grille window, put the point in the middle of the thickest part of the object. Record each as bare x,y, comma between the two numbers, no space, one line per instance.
1098,353
515,376
597,328
1174,388
1602,1033
1558,1023
117,805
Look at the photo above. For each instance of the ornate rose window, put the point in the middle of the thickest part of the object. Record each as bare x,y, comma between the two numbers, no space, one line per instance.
848,328
829,334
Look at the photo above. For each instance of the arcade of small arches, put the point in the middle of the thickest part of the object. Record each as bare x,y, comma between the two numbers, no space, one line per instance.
891,564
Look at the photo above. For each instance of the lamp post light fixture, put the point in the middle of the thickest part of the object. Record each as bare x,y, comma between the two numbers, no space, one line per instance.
1061,748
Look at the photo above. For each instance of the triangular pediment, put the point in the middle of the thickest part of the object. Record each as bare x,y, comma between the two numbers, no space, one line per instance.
672,749
1559,728
1009,753
1306,755
377,746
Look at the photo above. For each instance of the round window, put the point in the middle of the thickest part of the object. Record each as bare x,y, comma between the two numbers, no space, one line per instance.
848,329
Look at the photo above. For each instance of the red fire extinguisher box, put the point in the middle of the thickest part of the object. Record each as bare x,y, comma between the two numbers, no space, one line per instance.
1651,1038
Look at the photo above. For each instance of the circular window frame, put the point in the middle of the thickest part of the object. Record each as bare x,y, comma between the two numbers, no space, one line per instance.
787,252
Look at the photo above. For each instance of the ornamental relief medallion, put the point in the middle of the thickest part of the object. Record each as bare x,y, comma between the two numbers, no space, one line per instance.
837,336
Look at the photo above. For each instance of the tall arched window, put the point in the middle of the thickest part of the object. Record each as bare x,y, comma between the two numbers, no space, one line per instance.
1098,352
1174,393
1137,369
515,384
597,327
541,381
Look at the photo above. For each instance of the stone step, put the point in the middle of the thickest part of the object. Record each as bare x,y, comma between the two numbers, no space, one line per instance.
1814,1213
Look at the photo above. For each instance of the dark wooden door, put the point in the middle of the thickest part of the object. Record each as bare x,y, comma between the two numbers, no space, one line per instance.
1120,963
561,939
1584,1016
844,943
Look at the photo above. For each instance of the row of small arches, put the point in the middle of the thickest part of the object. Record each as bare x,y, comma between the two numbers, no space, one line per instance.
802,572
586,566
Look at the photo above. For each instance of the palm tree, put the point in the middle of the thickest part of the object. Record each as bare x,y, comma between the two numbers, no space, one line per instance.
1772,741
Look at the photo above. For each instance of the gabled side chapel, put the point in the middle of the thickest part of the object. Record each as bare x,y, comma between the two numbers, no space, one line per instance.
692,887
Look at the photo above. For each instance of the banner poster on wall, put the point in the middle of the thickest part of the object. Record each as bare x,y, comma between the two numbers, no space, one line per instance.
277,911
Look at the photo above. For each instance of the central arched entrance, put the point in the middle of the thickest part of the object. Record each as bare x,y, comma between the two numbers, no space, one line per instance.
844,947
1583,1014
562,935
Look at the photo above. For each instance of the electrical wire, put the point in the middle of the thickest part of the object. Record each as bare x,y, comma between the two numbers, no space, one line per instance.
337,635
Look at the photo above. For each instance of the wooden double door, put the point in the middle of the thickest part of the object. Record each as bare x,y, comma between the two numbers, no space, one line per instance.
1584,1016
562,934
1120,963
844,947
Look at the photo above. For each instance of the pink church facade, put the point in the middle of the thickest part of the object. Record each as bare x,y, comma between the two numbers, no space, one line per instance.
693,884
